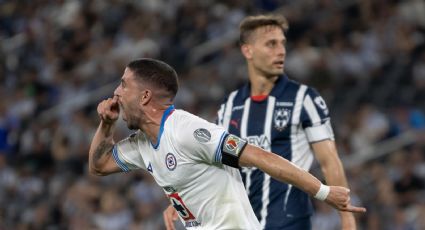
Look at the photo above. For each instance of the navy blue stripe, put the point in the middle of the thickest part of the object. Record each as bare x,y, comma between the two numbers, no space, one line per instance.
120,164
218,150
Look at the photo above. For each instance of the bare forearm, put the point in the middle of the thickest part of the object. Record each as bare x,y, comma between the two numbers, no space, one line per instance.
101,146
330,163
334,174
285,171
280,169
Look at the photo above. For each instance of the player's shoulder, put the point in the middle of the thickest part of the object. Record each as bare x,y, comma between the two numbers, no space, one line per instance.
292,83
184,126
180,116
182,119
305,87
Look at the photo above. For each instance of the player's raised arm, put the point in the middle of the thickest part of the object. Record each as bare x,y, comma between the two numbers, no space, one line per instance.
101,161
283,170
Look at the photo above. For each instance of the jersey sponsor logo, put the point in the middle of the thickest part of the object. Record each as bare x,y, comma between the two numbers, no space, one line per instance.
170,161
260,141
190,224
284,103
233,145
281,118
239,107
180,207
202,135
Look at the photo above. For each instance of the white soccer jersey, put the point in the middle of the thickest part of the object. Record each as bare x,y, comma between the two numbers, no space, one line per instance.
187,164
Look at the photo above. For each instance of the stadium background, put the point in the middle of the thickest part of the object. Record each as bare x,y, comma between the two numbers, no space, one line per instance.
59,58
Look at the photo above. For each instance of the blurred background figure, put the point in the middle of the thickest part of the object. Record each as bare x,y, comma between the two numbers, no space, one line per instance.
58,58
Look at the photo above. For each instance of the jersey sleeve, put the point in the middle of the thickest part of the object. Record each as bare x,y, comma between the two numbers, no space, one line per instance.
126,154
315,118
209,143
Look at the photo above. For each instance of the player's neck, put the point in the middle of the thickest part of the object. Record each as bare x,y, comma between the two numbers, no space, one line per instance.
261,85
152,125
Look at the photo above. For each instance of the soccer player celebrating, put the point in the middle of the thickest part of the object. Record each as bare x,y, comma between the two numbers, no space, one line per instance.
194,161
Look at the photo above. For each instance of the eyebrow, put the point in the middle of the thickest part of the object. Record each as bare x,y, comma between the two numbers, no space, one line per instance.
276,40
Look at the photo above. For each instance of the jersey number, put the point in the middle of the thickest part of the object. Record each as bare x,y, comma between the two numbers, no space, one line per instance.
178,204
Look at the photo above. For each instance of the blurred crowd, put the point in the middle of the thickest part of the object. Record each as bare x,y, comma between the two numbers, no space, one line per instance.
367,58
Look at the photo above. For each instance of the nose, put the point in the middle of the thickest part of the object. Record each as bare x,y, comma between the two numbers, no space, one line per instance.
281,51
117,91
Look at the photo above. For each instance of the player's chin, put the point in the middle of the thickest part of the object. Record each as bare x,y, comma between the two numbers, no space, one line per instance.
277,71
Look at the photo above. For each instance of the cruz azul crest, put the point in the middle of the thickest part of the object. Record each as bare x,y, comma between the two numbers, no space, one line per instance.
281,118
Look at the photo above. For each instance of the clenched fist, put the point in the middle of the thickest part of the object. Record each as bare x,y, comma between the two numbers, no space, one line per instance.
339,198
109,110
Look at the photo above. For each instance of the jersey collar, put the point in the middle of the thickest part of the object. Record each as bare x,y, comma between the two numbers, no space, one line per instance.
166,114
278,88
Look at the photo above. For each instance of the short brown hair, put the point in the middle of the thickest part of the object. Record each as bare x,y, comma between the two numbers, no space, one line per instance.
251,23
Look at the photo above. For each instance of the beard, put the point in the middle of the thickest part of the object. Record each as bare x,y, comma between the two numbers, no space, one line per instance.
131,122
131,126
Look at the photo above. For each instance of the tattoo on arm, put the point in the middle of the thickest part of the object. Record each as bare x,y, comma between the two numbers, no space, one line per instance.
102,149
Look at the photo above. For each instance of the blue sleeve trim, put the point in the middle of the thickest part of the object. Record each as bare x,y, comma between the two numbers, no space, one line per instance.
218,153
120,164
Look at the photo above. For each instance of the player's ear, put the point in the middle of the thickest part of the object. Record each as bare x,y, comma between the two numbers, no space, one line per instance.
246,50
146,96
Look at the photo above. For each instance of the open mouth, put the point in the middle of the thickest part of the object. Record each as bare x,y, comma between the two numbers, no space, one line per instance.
278,63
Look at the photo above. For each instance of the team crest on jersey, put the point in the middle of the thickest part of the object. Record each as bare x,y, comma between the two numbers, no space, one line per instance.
281,118
202,135
170,161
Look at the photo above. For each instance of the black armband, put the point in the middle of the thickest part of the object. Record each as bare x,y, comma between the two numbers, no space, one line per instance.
231,150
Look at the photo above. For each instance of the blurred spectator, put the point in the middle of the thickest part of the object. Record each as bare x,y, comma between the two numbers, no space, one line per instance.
370,126
59,57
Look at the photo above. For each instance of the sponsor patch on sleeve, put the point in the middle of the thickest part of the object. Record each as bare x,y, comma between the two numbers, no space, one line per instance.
202,135
231,150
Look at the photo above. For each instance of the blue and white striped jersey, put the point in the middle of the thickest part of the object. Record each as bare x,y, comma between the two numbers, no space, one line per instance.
285,123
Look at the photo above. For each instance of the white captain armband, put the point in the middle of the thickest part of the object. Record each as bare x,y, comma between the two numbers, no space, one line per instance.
231,150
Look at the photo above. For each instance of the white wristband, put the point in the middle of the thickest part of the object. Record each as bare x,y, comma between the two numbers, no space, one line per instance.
323,192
